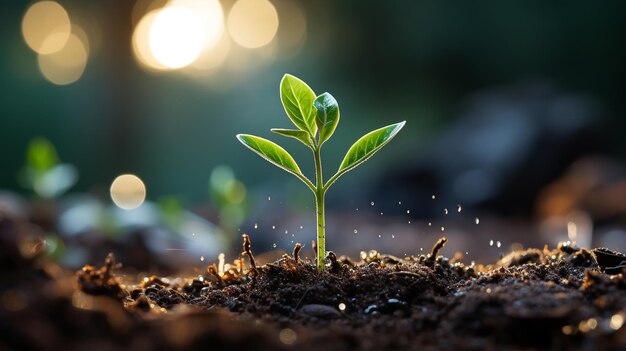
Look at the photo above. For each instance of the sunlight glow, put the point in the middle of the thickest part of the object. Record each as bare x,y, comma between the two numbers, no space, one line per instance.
176,35
46,27
141,46
253,23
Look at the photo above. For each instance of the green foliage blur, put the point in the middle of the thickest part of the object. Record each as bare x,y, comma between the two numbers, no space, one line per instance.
413,60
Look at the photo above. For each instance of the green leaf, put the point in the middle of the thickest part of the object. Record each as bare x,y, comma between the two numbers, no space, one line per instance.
41,155
271,152
365,147
297,100
296,134
327,116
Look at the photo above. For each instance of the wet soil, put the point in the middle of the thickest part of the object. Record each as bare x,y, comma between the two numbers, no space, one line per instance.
550,298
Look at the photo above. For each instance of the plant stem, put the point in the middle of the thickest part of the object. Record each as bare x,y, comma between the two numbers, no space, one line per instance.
319,208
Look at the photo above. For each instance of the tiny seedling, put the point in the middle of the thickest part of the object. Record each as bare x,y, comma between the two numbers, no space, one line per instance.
316,118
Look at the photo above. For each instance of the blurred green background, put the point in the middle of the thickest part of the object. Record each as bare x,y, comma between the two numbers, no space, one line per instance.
384,62
515,111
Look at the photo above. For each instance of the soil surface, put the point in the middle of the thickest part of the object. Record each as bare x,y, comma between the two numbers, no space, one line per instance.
550,298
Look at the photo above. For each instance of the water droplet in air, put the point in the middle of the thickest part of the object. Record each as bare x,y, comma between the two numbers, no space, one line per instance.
393,236
380,236
430,224
301,227
421,249
201,258
433,197
408,211
409,222
372,203
274,245
293,235
490,242
269,198
498,244
286,232
458,208
355,231
445,211
443,229
273,227
477,220
381,213
256,226
193,234
342,306
399,202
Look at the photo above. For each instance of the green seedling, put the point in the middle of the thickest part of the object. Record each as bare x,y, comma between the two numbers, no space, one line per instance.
44,173
316,118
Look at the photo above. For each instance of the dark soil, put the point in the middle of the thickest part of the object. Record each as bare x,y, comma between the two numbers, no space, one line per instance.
560,298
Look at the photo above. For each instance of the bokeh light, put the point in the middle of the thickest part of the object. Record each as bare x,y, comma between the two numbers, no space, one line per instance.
46,27
253,23
141,46
211,17
67,65
211,59
128,191
175,36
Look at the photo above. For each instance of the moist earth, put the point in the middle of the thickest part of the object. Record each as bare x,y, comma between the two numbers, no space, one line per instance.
551,298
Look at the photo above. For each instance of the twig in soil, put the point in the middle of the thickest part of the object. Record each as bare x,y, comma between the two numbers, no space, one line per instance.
240,266
109,266
334,263
296,252
213,270
247,250
438,246
220,266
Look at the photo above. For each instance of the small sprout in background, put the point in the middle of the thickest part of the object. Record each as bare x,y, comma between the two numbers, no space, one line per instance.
228,195
316,118
43,173
172,212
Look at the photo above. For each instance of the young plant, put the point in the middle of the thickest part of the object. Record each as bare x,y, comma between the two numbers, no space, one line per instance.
316,118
